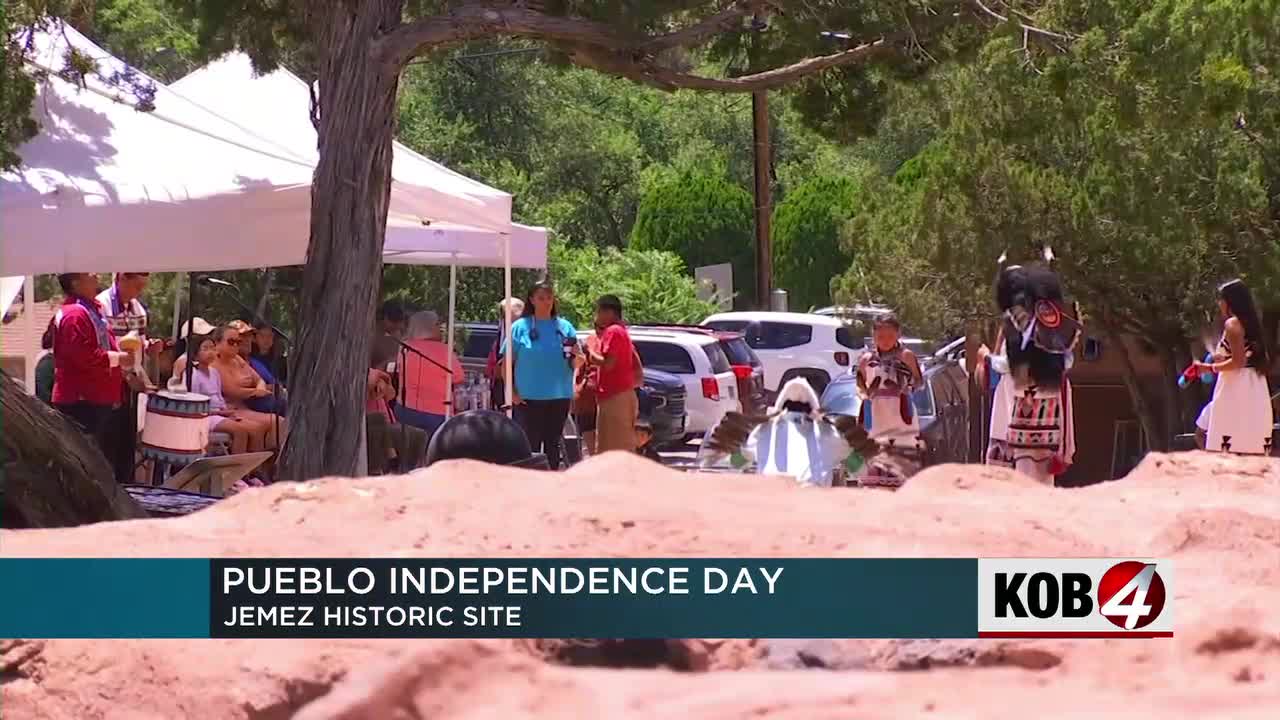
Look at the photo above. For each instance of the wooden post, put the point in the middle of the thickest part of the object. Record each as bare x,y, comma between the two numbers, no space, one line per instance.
763,197
979,413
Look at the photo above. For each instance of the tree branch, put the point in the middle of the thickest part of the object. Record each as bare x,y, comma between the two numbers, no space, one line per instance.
663,78
1025,27
468,22
599,47
700,31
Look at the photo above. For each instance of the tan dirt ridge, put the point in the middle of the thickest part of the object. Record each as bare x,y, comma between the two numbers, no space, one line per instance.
1217,518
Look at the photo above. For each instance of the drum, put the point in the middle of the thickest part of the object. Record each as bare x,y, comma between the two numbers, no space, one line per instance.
176,431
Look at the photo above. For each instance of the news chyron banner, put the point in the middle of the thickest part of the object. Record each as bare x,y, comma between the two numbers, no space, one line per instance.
783,598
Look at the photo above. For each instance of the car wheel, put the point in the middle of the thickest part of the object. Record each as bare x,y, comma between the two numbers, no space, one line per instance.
818,379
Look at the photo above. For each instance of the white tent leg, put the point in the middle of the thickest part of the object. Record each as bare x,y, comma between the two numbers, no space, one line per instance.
177,304
453,305
32,343
506,284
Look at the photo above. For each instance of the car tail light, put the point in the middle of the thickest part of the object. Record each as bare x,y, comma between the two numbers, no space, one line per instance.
711,388
842,359
743,372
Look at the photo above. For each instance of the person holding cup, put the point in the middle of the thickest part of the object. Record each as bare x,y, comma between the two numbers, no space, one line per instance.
88,380
545,352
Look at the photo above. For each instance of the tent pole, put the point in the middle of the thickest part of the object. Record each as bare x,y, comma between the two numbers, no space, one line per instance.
177,306
453,304
191,326
29,327
508,385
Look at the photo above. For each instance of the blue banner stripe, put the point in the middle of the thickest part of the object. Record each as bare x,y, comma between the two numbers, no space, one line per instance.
104,598
264,598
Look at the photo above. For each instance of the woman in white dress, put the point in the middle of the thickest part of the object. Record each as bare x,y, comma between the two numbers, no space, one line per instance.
1240,419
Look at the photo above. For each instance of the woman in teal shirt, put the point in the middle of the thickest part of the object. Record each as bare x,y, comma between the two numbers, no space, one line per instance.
545,353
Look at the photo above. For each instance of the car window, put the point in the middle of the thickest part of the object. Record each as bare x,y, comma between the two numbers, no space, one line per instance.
479,342
848,338
739,352
768,335
959,383
730,325
779,336
841,398
667,357
922,399
719,361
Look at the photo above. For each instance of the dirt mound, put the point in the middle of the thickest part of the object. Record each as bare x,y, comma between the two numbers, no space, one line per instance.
1216,517
1248,534
970,478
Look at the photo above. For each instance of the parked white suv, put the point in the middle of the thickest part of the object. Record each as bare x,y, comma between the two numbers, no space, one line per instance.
711,388
817,348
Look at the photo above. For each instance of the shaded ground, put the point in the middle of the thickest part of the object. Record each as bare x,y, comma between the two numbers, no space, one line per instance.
1217,518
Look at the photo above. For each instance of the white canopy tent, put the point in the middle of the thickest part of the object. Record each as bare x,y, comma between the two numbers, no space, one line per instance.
277,105
106,187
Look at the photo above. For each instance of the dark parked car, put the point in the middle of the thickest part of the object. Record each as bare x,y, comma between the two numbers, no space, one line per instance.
662,402
662,397
942,406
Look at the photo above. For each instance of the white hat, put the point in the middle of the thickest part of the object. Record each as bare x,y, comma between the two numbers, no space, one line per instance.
516,305
202,327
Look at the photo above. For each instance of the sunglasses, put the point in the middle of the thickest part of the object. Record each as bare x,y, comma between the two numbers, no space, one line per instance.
233,342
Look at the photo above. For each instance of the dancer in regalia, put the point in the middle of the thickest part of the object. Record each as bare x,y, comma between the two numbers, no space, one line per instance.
796,439
1239,415
887,374
1039,337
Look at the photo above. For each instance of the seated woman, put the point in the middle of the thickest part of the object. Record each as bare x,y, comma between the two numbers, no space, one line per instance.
387,441
266,404
206,381
241,384
426,383
257,347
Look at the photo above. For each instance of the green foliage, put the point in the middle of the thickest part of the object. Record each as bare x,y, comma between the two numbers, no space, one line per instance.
702,217
807,251
1143,154
479,289
150,35
654,285
17,91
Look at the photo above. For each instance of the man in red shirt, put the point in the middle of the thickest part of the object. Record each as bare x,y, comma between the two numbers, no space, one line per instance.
617,406
87,383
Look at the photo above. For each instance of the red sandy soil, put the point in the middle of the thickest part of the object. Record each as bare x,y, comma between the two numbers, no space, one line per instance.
1217,517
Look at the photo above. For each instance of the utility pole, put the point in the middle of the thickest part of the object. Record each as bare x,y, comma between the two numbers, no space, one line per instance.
763,197
763,191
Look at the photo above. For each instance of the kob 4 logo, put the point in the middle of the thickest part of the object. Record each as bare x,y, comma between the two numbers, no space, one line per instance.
1074,598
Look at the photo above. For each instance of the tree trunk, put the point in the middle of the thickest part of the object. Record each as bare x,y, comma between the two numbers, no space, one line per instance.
349,199
1179,413
1157,438
52,474
268,284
